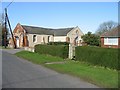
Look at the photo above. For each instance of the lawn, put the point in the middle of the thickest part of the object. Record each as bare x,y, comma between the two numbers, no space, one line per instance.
102,77
37,58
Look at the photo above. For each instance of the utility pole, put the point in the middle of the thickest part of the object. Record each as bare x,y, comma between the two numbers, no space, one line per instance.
7,20
5,33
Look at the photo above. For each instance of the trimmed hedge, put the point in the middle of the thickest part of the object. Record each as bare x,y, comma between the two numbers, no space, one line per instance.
106,57
58,43
54,50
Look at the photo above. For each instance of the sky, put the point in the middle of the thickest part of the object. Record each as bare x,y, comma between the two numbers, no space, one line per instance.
86,15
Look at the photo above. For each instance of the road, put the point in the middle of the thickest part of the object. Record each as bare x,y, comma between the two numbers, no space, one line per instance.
20,73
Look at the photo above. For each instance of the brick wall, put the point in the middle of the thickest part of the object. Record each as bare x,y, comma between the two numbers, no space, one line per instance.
24,43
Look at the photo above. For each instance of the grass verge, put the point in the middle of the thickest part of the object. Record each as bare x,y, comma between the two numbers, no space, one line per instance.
37,58
2,47
102,77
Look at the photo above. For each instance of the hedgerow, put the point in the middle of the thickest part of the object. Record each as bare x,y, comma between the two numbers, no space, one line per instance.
54,50
106,57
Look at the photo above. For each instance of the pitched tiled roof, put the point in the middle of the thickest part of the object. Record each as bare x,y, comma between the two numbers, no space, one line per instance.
115,32
46,31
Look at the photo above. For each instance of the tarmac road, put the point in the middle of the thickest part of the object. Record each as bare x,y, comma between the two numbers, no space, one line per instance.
20,73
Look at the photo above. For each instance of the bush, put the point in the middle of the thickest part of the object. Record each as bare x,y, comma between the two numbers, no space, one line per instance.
54,50
107,57
58,43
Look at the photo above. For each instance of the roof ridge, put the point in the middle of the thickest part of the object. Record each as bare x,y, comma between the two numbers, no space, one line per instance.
48,28
48,31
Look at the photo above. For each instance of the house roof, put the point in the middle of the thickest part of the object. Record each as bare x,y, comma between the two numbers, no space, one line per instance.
115,32
47,31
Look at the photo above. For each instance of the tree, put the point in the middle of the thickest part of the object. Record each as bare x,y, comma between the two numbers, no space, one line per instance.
91,39
2,31
105,26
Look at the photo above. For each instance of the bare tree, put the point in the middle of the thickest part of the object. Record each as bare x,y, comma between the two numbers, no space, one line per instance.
106,26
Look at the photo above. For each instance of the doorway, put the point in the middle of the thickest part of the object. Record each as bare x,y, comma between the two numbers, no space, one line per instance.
17,42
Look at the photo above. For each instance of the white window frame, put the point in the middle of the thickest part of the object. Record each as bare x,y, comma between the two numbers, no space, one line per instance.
110,41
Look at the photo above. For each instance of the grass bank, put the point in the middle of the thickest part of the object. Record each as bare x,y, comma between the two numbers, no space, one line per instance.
97,75
102,77
37,58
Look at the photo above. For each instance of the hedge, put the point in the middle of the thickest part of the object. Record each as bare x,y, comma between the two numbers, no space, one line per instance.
106,57
58,43
54,50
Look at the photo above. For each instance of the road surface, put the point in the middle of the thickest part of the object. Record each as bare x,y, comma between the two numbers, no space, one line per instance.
20,73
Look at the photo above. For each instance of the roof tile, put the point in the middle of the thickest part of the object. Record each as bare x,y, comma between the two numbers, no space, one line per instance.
115,32
47,31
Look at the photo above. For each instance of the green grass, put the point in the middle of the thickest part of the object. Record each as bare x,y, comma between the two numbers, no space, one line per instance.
37,58
96,75
102,77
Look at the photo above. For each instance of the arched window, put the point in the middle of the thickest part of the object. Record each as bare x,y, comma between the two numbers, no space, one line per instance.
48,39
44,40
18,31
34,38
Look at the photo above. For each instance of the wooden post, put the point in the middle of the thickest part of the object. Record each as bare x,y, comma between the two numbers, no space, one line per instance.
10,27
70,51
5,32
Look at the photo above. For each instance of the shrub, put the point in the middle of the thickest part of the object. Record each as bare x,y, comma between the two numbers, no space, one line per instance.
54,50
58,43
107,57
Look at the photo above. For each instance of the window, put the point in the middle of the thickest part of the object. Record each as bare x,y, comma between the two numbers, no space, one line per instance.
77,32
43,40
34,38
18,31
48,38
110,41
